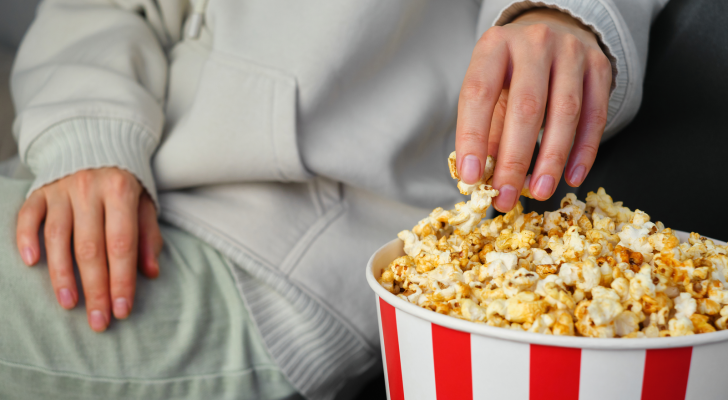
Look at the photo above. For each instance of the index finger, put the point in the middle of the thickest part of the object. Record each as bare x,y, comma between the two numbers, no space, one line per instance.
478,96
524,115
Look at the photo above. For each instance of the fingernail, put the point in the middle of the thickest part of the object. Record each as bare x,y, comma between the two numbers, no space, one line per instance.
98,321
578,175
470,169
27,256
121,308
506,198
544,186
65,298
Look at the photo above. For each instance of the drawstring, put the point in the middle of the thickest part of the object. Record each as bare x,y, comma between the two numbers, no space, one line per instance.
196,19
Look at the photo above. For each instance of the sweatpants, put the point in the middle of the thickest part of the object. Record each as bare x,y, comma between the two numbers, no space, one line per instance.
189,335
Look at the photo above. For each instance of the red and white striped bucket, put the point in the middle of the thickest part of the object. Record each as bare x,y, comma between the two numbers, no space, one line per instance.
430,356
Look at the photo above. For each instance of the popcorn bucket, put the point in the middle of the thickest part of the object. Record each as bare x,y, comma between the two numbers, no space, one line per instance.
427,355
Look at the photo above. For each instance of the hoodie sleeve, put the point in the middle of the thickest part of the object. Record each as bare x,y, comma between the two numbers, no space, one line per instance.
623,29
88,85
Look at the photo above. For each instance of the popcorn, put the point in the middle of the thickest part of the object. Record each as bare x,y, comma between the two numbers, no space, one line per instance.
593,268
681,326
604,311
701,323
601,204
465,188
586,326
524,307
522,280
707,306
626,323
642,285
621,287
720,323
472,311
685,305
584,275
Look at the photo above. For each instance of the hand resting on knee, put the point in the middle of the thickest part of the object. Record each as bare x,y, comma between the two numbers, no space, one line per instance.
113,225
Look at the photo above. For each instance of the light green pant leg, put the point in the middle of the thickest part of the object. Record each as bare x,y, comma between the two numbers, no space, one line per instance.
189,335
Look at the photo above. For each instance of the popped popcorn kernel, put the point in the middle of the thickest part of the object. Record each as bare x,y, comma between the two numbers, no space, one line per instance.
680,326
593,268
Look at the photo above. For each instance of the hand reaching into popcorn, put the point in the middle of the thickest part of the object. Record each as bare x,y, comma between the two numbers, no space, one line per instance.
544,62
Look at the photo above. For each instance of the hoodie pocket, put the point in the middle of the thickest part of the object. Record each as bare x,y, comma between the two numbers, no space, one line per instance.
241,127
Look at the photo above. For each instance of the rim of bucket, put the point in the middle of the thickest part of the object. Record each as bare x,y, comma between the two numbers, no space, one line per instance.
537,338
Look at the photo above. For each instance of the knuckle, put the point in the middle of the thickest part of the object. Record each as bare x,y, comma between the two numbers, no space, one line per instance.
123,283
472,138
526,106
539,34
493,34
121,185
475,91
83,181
589,150
87,250
597,119
97,295
572,45
61,275
514,166
55,231
26,213
553,157
599,62
567,106
120,246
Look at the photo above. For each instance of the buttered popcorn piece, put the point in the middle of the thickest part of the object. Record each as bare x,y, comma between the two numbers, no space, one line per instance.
593,268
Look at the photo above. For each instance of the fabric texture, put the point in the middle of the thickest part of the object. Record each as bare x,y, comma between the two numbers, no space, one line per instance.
189,335
298,136
306,340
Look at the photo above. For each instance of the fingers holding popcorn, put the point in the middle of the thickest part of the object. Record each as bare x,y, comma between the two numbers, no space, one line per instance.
543,57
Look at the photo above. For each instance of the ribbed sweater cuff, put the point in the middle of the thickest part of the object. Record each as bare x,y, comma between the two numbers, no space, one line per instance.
600,19
87,143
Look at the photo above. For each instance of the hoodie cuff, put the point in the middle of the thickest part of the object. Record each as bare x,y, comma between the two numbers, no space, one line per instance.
604,22
88,143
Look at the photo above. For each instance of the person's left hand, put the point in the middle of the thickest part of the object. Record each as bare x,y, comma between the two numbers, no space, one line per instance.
544,62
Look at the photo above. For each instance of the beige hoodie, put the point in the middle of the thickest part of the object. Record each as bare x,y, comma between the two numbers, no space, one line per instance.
295,136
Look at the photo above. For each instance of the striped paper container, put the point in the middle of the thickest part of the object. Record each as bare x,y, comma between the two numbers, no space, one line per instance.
429,356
